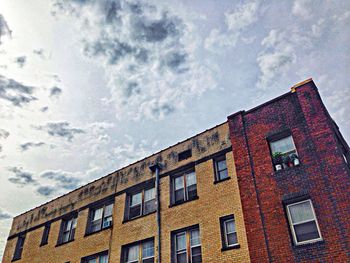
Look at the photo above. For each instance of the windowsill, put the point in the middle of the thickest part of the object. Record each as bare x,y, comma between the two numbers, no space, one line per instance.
43,244
222,180
287,169
309,244
98,231
137,217
63,243
16,259
236,246
180,203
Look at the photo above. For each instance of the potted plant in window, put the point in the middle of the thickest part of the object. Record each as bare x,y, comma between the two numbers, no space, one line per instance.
294,159
277,160
285,161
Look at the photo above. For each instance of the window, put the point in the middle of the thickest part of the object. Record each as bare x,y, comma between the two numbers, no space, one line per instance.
45,237
19,247
97,258
228,232
184,155
220,168
184,187
139,252
67,230
100,218
186,246
141,203
303,222
283,152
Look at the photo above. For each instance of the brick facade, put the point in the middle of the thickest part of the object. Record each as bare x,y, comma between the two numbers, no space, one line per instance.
322,176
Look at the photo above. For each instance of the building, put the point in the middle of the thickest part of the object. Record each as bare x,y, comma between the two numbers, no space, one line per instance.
269,185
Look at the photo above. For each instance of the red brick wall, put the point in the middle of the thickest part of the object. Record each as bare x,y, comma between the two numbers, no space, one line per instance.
323,176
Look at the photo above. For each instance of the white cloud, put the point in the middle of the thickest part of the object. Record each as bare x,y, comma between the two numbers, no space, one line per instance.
302,8
242,16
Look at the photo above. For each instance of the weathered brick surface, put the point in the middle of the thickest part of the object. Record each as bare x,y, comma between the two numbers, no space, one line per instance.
323,175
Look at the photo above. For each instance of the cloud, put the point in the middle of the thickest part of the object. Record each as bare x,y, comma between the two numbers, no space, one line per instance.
4,134
301,8
26,146
39,52
62,179
236,21
44,109
55,92
4,28
46,190
146,51
15,92
4,215
60,129
21,61
21,177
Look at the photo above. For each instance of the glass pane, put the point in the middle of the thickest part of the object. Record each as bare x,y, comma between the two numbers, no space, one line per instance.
74,223
179,195
197,259
108,210
181,258
283,145
192,191
191,179
104,259
195,238
148,249
196,254
222,165
68,225
223,174
107,221
232,239
301,212
150,194
98,214
133,253
306,231
136,199
65,237
148,260
230,226
135,211
95,225
92,260
180,241
179,182
150,206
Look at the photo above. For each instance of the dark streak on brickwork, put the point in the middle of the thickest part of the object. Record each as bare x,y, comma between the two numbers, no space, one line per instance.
323,175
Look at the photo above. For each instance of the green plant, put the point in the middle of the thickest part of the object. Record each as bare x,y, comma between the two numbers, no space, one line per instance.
277,158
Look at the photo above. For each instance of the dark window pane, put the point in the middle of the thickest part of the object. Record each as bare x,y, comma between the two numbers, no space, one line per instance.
232,239
192,191
197,259
148,260
179,195
181,258
135,211
306,231
150,206
95,225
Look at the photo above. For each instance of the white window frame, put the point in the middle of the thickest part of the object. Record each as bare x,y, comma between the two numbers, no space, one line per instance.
227,233
291,225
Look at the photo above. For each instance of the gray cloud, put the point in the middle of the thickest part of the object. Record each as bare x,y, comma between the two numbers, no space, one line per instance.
46,190
55,92
60,129
4,215
15,92
147,53
63,179
21,61
4,134
21,177
4,28
26,146
44,109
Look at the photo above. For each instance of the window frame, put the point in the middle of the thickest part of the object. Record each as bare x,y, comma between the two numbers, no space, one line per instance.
188,250
74,219
216,160
183,174
291,224
139,244
17,254
45,236
95,256
92,210
224,235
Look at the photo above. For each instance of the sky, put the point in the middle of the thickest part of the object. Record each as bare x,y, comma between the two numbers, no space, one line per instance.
87,87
